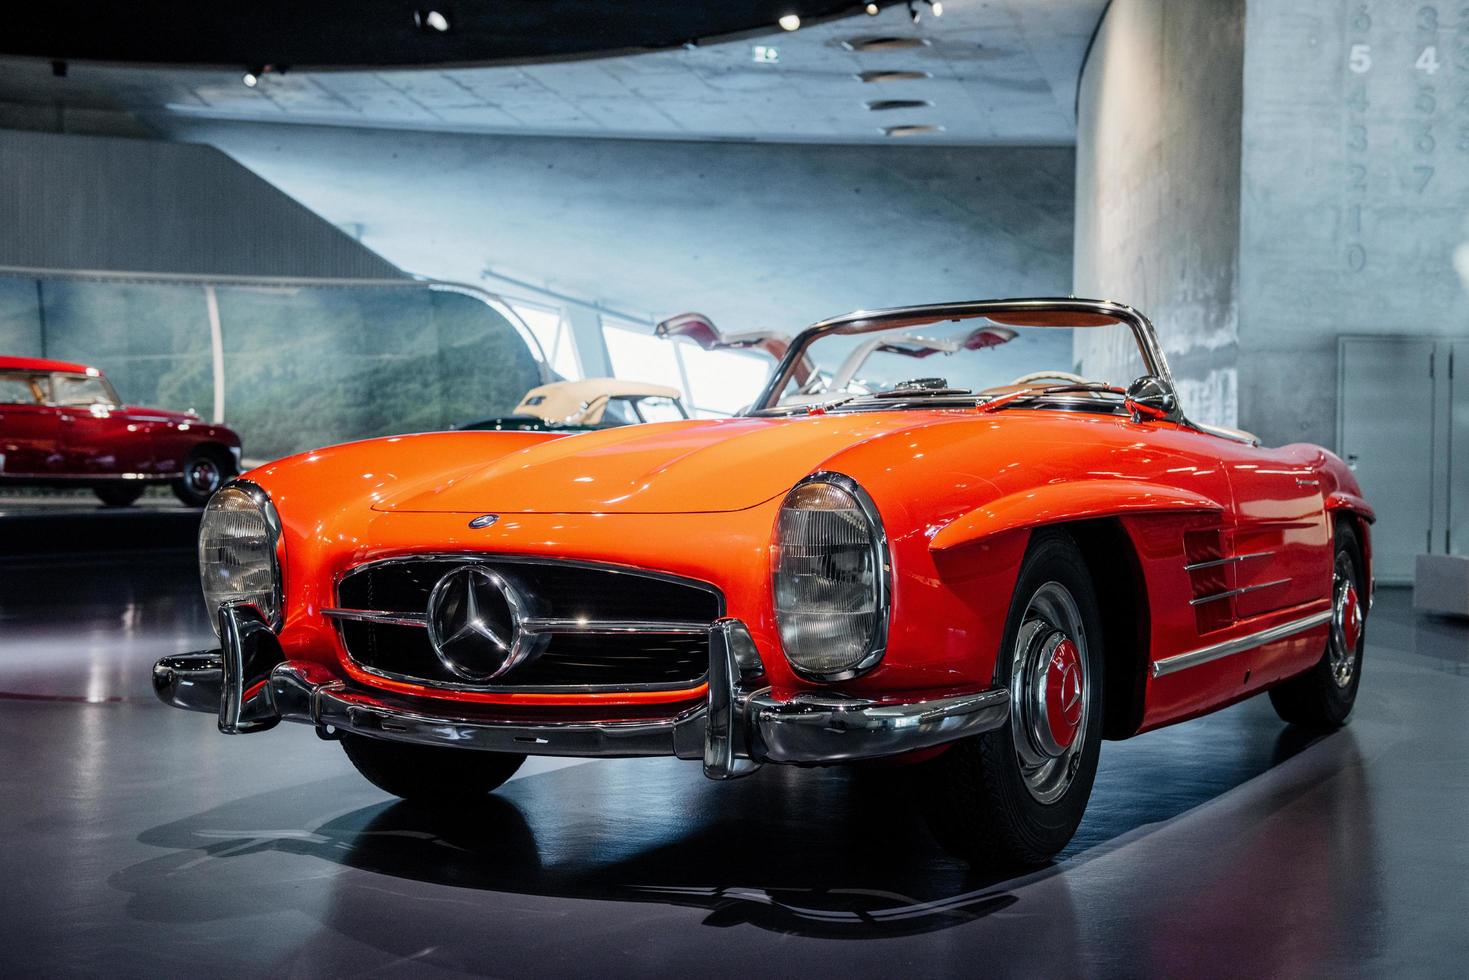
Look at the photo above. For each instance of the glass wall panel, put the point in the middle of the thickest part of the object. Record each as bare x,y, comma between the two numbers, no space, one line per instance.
314,366
20,317
302,366
151,339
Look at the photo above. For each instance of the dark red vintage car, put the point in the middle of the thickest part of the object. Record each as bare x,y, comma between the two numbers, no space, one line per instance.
62,424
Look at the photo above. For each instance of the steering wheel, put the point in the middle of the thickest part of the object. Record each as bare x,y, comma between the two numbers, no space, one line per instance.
1064,377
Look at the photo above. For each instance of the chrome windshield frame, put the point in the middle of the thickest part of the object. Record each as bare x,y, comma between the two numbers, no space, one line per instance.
866,321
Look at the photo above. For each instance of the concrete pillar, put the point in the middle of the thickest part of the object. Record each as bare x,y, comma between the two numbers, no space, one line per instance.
1157,187
591,346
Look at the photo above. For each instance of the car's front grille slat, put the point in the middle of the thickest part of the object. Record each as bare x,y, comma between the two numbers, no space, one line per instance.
597,628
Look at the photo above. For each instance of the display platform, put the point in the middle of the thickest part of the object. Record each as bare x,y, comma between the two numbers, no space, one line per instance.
165,846
42,527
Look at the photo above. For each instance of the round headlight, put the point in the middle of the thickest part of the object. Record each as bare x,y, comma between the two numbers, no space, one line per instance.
239,561
831,578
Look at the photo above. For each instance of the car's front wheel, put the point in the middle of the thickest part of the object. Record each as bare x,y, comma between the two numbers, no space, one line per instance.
428,773
1015,795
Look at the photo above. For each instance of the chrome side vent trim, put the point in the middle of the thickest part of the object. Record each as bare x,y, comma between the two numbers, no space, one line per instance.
1215,597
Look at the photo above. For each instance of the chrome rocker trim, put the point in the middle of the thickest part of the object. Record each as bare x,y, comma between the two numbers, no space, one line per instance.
1228,648
251,686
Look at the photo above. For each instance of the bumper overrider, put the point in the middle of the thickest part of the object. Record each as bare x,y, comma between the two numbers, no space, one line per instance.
252,687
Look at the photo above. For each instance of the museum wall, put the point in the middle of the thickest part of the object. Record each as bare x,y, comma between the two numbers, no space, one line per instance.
349,361
1157,187
755,235
101,202
1355,194
297,367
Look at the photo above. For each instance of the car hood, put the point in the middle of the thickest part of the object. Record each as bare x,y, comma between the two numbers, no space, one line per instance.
691,466
158,414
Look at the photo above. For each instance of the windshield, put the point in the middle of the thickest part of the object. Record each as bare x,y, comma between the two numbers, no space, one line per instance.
966,360
79,390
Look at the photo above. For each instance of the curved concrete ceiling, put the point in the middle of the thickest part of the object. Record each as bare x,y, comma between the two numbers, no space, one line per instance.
381,33
988,71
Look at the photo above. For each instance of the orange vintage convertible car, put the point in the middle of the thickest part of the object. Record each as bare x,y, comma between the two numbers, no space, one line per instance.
985,572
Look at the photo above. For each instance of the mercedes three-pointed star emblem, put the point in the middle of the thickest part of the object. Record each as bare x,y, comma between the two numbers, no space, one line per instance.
474,623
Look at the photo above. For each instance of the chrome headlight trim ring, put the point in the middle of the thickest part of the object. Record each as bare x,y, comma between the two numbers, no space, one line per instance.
262,502
882,586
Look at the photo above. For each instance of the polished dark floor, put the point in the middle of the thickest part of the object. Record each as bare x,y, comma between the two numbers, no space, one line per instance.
135,841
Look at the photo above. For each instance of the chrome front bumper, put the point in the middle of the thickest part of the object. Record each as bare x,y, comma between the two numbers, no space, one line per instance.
250,685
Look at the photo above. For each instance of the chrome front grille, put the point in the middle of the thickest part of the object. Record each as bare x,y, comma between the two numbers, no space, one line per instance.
593,627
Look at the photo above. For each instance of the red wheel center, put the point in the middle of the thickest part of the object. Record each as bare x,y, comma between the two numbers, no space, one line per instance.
1064,690
1351,617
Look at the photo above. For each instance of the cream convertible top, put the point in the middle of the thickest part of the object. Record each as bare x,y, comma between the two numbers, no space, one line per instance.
583,402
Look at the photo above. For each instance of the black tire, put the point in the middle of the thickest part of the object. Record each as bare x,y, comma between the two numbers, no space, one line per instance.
982,800
205,470
1323,696
428,773
120,494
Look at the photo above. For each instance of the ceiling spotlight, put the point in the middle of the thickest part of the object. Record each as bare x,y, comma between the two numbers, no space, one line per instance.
884,43
790,22
913,12
937,7
764,54
872,9
884,105
918,129
893,76
430,20
251,79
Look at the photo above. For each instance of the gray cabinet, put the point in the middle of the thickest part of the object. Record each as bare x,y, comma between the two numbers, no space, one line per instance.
1403,426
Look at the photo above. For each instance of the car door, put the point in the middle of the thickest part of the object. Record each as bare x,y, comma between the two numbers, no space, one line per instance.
97,436
1281,537
28,428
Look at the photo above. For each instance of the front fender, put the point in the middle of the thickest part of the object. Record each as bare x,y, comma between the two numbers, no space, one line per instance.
1073,500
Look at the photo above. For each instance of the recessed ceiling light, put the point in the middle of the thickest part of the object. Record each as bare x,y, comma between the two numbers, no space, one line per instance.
922,129
250,79
790,22
764,54
883,105
431,20
892,76
884,43
872,9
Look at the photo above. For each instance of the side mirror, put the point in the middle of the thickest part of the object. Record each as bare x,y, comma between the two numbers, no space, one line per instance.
1151,398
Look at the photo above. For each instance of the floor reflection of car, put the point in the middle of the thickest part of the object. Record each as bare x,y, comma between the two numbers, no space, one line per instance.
62,424
594,403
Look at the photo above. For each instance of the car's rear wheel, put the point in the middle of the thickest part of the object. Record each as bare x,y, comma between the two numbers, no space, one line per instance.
1323,696
119,494
428,773
205,471
1014,796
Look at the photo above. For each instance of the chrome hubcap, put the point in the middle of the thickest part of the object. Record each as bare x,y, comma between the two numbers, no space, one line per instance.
1347,619
203,476
1050,692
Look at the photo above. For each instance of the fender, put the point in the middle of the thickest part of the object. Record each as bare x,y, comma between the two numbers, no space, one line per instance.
1074,500
1342,500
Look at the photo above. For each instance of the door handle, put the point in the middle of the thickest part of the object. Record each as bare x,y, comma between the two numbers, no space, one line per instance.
1303,482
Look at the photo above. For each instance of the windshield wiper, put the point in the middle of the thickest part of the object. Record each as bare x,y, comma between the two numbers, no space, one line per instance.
1031,394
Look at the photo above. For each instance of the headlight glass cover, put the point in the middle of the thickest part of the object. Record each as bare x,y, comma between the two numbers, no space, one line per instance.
831,578
238,559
